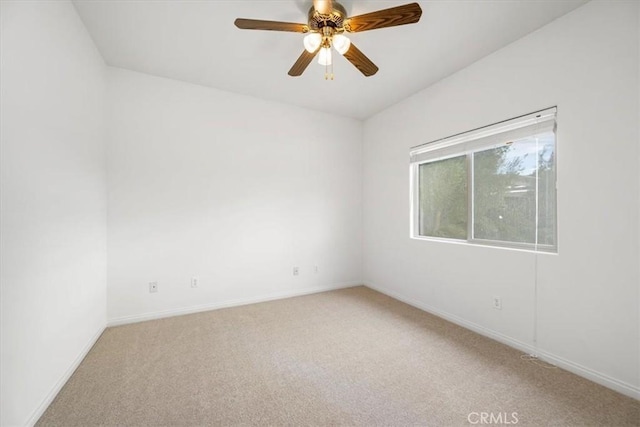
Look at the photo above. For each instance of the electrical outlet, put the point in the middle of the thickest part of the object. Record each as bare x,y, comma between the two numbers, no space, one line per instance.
497,303
195,282
296,271
153,287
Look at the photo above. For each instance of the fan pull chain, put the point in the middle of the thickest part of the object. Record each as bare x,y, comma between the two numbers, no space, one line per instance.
328,71
328,68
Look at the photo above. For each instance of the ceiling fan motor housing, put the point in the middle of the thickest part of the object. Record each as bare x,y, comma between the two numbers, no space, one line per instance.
334,20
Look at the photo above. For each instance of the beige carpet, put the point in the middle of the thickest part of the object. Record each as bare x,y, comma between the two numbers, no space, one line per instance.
347,357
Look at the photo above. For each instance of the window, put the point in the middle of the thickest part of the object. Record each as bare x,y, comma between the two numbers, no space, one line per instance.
493,186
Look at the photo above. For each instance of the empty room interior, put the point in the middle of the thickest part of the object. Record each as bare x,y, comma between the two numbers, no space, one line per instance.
316,212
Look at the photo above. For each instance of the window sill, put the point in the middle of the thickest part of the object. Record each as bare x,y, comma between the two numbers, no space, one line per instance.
483,244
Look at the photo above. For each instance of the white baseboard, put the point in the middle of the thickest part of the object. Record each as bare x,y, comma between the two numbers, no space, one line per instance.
590,374
63,379
226,304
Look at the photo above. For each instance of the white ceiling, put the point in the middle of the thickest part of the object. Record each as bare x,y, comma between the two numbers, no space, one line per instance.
196,42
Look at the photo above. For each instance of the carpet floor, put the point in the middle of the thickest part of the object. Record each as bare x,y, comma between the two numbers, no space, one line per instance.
345,357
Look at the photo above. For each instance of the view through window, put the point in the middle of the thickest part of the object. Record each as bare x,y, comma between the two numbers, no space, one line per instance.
495,185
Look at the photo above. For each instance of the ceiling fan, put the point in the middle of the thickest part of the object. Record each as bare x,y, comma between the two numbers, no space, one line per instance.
326,28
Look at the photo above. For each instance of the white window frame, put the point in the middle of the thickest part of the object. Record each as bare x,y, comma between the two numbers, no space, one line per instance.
468,143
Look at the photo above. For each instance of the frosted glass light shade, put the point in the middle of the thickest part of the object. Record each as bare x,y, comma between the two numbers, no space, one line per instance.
312,42
341,43
324,58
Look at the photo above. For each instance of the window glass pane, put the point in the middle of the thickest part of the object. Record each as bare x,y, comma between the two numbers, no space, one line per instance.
443,198
512,185
547,189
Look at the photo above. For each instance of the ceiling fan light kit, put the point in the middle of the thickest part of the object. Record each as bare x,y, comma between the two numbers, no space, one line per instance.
324,57
312,42
327,23
341,43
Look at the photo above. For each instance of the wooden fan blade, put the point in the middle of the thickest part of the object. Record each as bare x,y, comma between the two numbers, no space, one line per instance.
302,63
324,7
257,24
360,60
401,15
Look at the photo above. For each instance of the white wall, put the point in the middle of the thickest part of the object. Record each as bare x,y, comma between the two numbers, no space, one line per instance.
586,63
228,188
53,195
